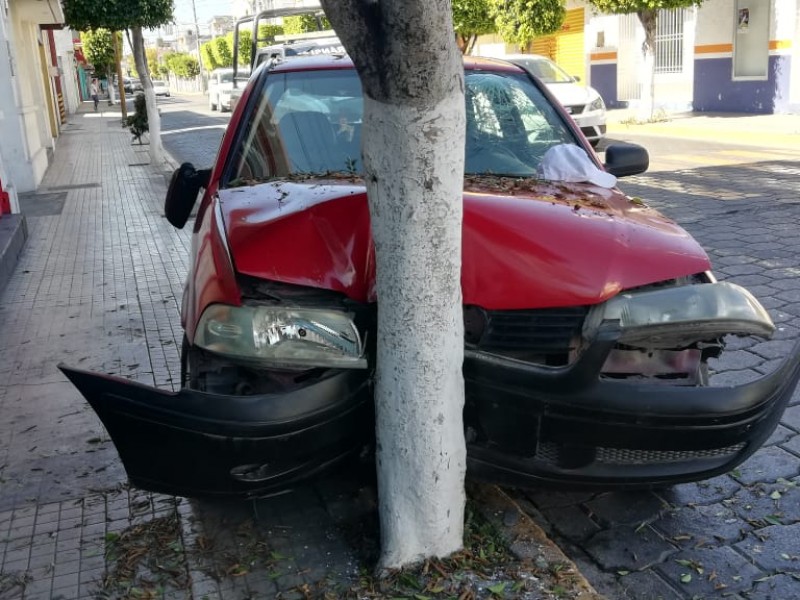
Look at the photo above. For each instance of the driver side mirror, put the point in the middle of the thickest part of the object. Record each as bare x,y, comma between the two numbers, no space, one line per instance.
182,193
626,159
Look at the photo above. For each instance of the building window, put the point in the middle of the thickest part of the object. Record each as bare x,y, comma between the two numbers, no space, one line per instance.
669,41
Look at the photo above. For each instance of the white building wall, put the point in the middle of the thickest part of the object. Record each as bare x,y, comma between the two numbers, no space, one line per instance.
672,90
794,88
24,126
66,56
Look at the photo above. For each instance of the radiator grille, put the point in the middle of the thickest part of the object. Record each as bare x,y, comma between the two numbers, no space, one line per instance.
549,452
540,331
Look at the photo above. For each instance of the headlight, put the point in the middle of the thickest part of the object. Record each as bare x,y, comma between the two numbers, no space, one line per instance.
281,337
680,316
597,104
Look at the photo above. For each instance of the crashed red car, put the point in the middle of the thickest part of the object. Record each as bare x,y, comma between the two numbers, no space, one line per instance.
589,317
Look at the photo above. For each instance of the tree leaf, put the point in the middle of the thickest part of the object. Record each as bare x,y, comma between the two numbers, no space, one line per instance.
686,578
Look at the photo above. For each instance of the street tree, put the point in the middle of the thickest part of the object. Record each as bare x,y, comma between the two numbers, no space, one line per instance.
647,12
133,15
519,21
152,60
182,65
207,54
98,47
413,155
222,50
266,35
472,18
304,24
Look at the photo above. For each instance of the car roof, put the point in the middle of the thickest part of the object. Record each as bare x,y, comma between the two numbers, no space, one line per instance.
524,56
327,61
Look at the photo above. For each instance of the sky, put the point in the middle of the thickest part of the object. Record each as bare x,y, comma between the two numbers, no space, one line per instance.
205,10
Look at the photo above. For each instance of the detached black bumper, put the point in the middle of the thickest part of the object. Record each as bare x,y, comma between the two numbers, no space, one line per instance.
192,443
530,425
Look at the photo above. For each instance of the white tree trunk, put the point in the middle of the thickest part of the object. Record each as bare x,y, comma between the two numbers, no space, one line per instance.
413,150
648,19
153,118
415,190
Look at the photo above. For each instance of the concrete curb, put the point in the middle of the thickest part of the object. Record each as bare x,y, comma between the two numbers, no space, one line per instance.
13,233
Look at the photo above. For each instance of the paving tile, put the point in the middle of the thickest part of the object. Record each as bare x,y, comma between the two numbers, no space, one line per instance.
628,548
701,572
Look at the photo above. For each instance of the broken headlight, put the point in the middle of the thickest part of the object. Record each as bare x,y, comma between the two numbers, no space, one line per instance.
679,316
282,337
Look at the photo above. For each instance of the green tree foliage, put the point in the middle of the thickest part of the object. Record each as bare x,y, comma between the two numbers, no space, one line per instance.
182,65
117,15
222,51
207,54
152,60
267,33
98,47
472,18
519,21
266,36
303,24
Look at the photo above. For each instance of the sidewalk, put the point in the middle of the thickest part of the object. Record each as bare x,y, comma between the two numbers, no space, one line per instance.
98,286
739,128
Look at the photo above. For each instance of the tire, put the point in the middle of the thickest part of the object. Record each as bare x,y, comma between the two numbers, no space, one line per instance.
211,106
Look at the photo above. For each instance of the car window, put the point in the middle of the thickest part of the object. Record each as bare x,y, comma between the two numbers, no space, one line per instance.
226,77
157,82
309,122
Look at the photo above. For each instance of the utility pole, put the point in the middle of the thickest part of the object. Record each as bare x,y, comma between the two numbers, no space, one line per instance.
197,45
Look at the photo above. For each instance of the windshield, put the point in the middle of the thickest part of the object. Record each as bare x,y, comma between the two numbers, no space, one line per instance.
157,82
226,77
309,122
546,70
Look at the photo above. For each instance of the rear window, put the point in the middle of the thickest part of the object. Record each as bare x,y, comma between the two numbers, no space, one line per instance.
309,122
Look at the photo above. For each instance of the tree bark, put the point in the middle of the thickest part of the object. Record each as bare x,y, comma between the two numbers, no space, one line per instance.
153,118
413,150
649,20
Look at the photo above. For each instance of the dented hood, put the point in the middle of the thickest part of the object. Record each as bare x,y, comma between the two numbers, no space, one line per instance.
526,244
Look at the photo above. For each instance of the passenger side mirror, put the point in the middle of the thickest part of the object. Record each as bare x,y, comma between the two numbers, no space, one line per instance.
626,159
182,193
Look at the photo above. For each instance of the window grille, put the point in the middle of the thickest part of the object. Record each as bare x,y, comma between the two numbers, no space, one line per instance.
669,41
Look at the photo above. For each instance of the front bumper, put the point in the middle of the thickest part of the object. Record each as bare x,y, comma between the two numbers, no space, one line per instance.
592,124
532,425
193,443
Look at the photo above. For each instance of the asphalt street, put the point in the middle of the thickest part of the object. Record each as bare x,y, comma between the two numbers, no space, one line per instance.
734,536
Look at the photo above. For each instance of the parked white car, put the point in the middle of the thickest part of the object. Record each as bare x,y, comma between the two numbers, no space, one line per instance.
220,85
582,102
161,88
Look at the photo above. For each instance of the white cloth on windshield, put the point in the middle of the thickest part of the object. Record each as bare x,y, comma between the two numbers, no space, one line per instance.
568,162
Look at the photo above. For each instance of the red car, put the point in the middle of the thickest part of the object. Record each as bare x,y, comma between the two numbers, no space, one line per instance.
589,317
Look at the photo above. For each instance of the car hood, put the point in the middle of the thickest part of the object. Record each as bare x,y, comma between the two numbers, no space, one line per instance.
526,244
570,94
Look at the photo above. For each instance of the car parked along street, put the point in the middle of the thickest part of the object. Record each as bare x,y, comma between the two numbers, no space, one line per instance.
589,317
583,103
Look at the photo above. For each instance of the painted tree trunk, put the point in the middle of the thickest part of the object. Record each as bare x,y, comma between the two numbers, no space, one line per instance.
153,118
413,150
648,19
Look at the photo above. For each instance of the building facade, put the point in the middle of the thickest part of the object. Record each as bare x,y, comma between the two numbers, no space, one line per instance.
723,56
37,73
